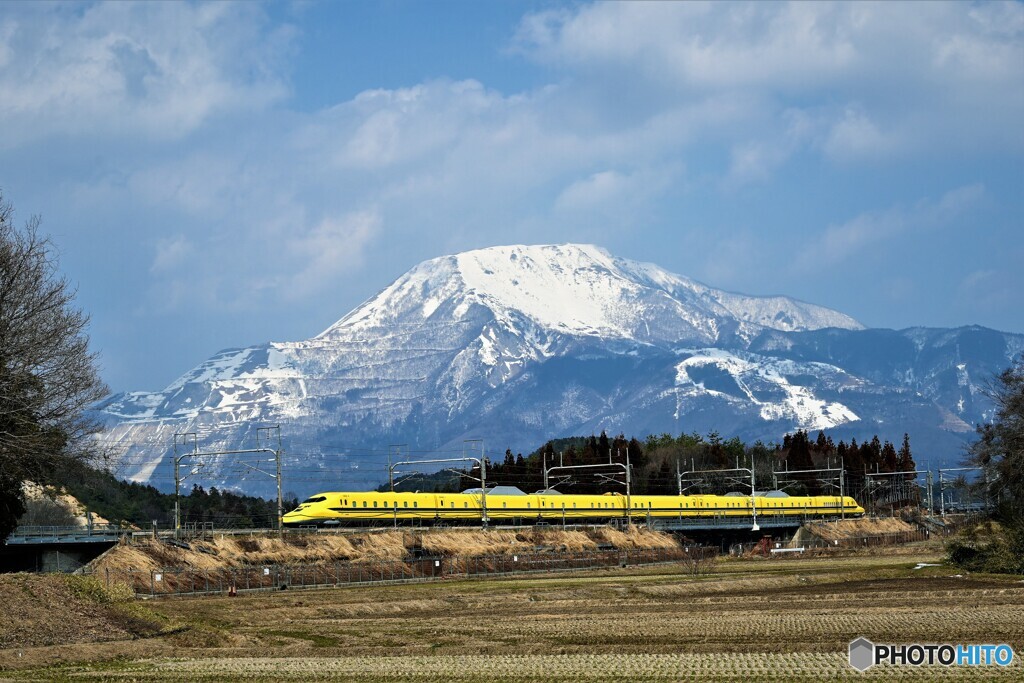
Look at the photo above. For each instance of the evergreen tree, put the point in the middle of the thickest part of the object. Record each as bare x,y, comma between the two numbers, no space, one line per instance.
799,458
876,449
820,444
905,460
589,454
637,457
604,447
888,457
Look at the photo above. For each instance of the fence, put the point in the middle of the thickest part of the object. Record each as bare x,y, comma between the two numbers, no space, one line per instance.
183,581
871,541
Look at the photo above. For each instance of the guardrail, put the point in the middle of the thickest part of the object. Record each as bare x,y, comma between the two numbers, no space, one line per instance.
96,533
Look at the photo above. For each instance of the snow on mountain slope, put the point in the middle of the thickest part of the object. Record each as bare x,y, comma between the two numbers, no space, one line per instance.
523,343
578,290
763,382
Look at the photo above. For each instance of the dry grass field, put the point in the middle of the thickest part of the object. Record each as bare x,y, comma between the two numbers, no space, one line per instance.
752,619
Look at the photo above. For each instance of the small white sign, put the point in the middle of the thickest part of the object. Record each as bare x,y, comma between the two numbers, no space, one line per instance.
266,571
437,563
515,558
158,577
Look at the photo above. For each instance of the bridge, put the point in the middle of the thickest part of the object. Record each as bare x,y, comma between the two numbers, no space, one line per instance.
56,548
37,535
727,522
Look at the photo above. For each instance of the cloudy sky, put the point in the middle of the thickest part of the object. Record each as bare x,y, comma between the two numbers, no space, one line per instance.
219,175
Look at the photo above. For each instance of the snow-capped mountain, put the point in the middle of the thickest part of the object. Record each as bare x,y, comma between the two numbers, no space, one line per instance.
520,344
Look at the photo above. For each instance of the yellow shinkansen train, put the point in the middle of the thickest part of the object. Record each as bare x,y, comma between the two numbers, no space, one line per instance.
375,508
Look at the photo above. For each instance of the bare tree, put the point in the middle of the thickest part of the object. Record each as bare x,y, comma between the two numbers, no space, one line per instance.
47,511
48,376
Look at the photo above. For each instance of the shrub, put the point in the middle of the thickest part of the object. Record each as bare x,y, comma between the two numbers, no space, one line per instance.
989,547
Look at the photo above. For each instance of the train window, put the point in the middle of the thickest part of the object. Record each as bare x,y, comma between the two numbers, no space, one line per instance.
453,504
364,503
591,505
354,504
465,505
415,504
527,505
504,505
405,504
574,504
315,499
374,503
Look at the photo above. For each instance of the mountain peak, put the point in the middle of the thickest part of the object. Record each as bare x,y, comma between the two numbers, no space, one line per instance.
579,290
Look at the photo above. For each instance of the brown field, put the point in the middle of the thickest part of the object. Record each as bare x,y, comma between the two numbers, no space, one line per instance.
753,619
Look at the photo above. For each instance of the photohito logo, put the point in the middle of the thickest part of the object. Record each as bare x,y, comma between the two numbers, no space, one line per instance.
864,654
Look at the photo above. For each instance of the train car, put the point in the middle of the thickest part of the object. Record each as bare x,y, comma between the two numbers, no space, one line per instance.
507,505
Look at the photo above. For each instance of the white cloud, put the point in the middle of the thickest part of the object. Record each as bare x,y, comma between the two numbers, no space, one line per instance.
698,44
988,291
171,253
159,70
327,249
882,78
848,240
856,136
596,190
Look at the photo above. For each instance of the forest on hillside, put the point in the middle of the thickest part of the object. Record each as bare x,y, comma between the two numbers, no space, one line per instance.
133,504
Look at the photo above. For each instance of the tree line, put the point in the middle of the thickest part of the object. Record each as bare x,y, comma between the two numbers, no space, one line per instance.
659,462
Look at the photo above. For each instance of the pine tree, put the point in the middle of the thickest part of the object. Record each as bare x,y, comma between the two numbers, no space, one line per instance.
604,447
820,444
637,456
888,457
799,458
905,461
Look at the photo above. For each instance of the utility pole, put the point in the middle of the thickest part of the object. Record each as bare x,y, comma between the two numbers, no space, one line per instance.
931,494
842,488
753,495
277,463
181,438
479,461
398,454
483,477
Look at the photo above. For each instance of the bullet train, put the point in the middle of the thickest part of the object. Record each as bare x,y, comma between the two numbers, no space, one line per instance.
508,505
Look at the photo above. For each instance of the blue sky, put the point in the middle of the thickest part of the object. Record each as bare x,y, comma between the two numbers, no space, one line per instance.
219,175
